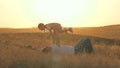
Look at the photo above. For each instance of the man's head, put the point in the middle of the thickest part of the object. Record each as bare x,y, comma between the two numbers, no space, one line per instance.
41,26
46,50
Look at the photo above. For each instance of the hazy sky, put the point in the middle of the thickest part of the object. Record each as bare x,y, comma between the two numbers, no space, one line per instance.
71,13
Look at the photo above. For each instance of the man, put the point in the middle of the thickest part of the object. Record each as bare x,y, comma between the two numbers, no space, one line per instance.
83,45
55,30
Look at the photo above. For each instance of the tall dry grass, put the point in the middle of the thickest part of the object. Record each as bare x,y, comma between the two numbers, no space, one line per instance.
110,32
22,50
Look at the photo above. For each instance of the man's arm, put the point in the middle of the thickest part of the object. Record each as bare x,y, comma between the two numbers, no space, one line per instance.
50,34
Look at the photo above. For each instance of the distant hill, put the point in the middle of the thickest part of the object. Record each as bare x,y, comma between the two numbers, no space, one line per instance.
18,30
113,26
110,32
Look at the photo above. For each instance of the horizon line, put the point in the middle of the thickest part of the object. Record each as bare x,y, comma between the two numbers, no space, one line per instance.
63,27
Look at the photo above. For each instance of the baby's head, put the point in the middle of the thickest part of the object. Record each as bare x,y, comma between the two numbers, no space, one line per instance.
41,26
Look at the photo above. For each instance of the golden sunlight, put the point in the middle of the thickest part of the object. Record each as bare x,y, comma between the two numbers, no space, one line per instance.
78,13
58,10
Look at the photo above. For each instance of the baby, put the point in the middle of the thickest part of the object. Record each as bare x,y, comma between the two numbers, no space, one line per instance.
55,29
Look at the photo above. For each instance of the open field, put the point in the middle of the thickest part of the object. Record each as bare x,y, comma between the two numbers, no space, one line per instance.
109,32
23,50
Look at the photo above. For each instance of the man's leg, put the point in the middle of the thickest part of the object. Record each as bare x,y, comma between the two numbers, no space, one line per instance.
79,47
88,47
84,44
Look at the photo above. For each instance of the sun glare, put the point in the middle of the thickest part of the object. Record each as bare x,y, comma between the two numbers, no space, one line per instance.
58,10
78,13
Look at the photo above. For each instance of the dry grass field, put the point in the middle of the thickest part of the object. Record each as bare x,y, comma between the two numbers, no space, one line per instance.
23,50
110,32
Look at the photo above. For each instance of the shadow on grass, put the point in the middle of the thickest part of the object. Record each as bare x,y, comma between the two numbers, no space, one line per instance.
29,64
